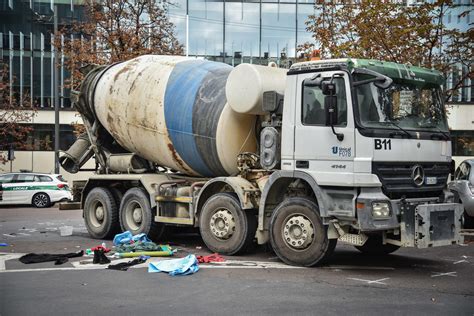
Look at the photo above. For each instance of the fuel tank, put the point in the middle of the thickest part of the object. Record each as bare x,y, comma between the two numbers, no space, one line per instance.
173,111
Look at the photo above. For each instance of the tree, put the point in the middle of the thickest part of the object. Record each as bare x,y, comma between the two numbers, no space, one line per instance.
15,114
385,30
117,30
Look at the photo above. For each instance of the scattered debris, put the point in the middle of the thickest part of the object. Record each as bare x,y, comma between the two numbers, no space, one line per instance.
65,231
127,237
182,266
100,257
210,258
46,257
123,266
433,299
198,247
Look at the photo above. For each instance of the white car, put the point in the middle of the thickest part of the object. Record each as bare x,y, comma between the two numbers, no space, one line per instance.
463,188
38,189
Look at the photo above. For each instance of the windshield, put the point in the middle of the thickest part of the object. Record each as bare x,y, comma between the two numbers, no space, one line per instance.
405,104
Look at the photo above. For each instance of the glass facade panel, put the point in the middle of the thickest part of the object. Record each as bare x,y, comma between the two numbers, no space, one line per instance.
242,29
278,29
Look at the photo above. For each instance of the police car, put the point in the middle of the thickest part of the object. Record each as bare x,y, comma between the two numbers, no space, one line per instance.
38,189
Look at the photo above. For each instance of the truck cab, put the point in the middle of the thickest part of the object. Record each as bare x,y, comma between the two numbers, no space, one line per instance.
371,138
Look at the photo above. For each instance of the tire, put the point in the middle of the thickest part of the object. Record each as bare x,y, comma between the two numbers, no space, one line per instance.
225,228
117,194
41,200
374,246
297,233
136,215
101,214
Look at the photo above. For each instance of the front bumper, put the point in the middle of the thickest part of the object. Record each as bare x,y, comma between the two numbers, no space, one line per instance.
419,223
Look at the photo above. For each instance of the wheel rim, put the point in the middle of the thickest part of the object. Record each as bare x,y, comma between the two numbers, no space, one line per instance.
222,224
298,231
134,215
41,200
97,214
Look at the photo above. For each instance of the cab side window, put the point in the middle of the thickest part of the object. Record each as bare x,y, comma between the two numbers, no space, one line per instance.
313,111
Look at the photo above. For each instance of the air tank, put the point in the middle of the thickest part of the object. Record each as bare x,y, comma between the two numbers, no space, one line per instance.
247,83
173,110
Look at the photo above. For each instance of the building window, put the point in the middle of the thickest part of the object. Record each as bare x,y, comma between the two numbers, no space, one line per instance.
463,143
41,138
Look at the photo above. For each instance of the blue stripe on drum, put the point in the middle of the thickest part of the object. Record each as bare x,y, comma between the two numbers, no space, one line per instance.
181,91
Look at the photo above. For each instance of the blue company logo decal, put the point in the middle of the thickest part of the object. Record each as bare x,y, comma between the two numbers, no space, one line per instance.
342,151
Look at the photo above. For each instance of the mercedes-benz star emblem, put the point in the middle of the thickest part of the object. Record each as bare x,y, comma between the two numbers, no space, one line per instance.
418,175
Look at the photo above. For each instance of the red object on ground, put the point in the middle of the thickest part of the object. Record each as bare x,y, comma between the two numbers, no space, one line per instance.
210,258
101,248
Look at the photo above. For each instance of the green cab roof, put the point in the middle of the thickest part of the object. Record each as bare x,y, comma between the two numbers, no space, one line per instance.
390,69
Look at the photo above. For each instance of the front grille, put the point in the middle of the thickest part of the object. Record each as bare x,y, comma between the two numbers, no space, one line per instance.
397,182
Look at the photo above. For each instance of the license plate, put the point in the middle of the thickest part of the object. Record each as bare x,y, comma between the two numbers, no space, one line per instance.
431,180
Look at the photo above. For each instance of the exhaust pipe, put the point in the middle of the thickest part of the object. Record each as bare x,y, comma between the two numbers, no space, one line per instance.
77,155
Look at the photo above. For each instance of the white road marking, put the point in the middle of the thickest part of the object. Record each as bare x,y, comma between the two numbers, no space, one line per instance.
358,268
460,261
24,234
88,265
9,235
5,257
379,281
451,274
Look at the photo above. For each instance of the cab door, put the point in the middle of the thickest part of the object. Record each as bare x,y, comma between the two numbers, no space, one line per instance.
317,149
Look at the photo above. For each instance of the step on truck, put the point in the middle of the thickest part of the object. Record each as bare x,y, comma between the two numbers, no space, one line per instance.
344,149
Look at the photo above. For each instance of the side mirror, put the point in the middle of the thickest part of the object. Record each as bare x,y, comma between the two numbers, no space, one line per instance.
330,107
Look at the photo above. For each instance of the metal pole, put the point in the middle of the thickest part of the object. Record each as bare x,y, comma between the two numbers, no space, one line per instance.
187,28
56,96
223,32
260,31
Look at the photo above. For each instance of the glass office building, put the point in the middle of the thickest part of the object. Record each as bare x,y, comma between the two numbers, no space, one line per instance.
233,31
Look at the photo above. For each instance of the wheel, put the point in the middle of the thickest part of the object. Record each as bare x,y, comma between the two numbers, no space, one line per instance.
101,214
225,228
374,246
136,215
297,233
41,200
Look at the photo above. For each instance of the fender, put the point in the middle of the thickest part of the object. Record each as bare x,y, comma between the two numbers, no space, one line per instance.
239,185
290,176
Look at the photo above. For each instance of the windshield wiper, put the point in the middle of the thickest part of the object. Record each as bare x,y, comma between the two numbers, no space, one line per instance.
446,136
400,128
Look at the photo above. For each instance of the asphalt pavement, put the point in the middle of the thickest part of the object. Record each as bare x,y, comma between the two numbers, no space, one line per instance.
435,281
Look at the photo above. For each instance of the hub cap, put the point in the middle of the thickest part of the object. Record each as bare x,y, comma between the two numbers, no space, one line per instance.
298,231
97,214
222,224
134,215
41,200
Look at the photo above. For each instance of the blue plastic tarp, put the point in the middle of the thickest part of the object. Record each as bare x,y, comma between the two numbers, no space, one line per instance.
127,237
181,266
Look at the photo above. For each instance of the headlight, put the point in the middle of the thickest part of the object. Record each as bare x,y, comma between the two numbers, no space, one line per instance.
380,210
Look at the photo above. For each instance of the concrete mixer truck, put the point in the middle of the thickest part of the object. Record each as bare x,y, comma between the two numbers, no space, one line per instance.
345,149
